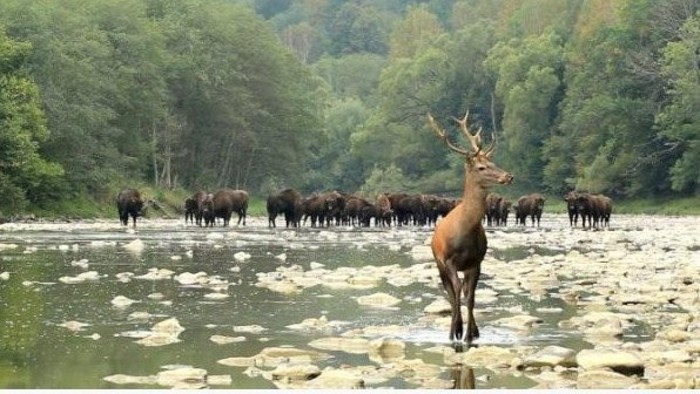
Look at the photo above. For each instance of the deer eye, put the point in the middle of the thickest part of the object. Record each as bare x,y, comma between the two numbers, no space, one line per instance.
481,167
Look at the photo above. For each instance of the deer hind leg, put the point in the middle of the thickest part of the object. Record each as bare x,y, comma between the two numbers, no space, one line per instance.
471,278
451,283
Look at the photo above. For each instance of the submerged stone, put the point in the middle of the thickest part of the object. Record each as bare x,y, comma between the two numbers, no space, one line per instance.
378,300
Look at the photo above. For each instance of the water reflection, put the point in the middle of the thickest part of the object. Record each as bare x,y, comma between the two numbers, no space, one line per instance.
463,377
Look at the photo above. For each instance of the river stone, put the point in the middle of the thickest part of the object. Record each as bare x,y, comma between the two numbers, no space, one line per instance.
182,377
238,361
602,379
438,307
74,325
128,379
188,278
484,356
121,301
673,335
336,379
348,345
224,340
520,322
274,356
294,372
619,361
378,300
136,246
252,329
156,274
551,356
386,350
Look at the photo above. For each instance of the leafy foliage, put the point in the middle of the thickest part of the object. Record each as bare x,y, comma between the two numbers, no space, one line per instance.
327,94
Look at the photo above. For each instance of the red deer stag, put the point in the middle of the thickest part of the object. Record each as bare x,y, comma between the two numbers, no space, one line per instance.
459,240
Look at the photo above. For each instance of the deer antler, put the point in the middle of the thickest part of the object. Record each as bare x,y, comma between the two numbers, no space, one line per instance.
441,134
474,139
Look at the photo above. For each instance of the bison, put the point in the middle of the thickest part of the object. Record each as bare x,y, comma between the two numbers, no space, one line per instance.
595,208
493,208
227,201
129,203
572,207
286,202
530,205
385,212
190,209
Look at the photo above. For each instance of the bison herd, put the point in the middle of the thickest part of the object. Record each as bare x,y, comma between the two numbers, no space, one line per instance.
338,208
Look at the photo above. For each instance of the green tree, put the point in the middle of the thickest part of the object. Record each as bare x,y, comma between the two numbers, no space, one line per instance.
680,119
528,74
25,175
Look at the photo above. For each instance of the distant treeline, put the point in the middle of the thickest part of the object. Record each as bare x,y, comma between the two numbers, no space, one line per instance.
594,95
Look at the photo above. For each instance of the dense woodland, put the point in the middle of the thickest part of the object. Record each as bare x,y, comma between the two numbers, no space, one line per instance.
597,95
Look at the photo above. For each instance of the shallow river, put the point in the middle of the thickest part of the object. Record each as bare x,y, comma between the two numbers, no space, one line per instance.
79,301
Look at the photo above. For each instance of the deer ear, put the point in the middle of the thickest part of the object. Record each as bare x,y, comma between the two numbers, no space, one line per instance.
489,154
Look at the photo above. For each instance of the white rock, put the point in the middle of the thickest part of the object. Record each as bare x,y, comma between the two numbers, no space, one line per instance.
121,301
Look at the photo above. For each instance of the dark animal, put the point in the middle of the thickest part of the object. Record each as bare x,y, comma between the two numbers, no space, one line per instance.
530,205
572,207
129,203
493,208
206,210
190,210
504,211
459,241
286,202
385,212
594,208
227,201
316,209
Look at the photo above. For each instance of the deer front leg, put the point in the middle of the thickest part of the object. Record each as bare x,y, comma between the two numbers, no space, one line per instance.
451,283
471,278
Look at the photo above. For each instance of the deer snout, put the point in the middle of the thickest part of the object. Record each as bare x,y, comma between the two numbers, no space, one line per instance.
505,179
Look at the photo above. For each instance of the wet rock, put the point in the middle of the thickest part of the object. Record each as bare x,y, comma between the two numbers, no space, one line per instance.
378,300
336,379
520,322
216,296
241,256
74,325
386,350
348,345
188,278
272,357
136,246
618,361
238,361
438,307
551,356
673,335
602,379
485,356
5,275
320,324
163,333
121,301
80,278
184,377
224,340
377,331
289,372
128,379
252,329
156,274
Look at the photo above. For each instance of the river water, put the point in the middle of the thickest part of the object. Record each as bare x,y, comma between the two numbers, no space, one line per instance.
43,297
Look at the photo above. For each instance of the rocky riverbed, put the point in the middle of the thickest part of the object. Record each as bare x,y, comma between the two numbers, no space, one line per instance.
252,307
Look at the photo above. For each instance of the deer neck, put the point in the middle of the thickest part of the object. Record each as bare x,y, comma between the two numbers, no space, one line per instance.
474,203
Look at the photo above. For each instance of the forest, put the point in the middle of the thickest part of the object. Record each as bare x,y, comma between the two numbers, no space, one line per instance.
594,95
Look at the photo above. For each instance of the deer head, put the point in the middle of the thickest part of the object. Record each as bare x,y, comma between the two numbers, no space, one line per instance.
477,161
